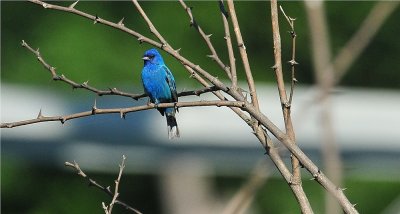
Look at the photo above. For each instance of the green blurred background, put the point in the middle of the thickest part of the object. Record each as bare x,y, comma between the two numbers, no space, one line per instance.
108,58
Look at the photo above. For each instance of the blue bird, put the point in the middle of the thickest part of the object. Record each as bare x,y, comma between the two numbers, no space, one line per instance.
159,85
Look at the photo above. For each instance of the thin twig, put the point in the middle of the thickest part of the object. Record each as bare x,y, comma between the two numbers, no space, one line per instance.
296,179
117,182
243,54
121,111
293,61
111,91
151,26
228,39
214,56
92,182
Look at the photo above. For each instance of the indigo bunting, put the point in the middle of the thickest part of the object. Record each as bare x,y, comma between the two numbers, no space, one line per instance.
159,85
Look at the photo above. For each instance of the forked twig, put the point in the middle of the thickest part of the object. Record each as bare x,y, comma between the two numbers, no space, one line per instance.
92,182
108,209
296,178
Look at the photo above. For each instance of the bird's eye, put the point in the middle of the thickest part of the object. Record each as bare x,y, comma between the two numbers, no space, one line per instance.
151,56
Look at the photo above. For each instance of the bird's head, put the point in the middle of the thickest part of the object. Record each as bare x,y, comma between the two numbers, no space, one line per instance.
152,56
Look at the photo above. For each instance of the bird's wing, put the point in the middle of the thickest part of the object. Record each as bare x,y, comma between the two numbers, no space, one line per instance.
171,83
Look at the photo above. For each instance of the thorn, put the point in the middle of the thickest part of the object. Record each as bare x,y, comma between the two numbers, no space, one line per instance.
343,189
274,67
293,62
140,39
211,56
241,45
85,83
209,35
23,43
40,116
177,50
96,19
37,51
94,108
121,22
295,80
354,205
73,4
122,114
45,5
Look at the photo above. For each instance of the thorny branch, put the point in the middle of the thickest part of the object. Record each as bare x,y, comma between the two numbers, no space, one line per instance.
296,179
111,91
293,61
228,39
243,54
214,56
240,106
121,111
92,182
108,209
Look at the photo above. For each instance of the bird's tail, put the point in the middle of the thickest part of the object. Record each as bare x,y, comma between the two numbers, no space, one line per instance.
173,131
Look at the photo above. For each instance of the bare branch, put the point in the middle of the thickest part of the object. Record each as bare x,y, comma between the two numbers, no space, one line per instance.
292,62
243,54
151,26
117,182
296,179
207,39
111,91
123,111
304,160
92,182
228,39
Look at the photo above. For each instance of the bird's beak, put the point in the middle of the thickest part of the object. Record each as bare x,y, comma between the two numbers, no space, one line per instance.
145,58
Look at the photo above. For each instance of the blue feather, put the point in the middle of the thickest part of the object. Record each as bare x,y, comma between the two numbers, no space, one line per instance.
159,85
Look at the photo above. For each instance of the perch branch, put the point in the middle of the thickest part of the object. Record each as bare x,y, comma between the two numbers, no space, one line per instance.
121,111
92,182
111,91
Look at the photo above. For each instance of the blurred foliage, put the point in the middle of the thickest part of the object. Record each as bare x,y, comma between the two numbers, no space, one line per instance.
106,57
